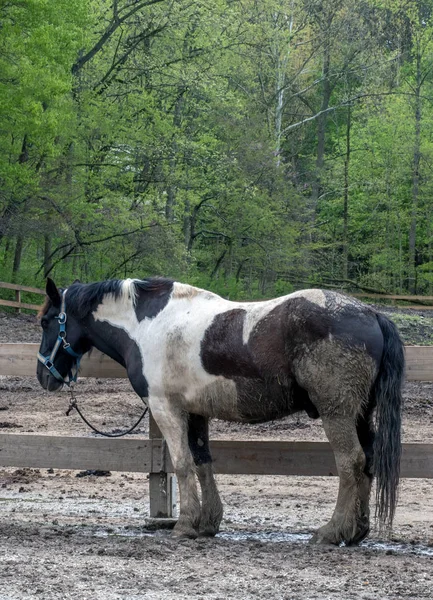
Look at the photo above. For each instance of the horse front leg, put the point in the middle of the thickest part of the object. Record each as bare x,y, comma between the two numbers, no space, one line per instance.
350,520
173,423
211,505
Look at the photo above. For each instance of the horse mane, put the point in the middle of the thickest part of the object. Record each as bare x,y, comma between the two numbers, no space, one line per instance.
153,284
82,298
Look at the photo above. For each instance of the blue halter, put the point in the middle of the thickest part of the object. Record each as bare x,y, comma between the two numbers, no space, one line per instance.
48,361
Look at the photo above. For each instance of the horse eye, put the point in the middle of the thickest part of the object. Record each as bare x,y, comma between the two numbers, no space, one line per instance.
44,323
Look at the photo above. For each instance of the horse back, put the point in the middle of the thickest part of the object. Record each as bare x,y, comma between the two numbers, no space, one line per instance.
250,361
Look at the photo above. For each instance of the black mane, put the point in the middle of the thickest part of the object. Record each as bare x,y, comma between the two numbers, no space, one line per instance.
154,284
81,299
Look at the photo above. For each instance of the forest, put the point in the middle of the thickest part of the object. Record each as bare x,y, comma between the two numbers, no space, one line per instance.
251,147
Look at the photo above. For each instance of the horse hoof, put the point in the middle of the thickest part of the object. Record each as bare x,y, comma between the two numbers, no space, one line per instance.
357,539
318,540
332,536
184,533
325,537
208,532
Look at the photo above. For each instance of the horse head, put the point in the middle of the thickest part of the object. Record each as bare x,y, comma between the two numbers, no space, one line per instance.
63,341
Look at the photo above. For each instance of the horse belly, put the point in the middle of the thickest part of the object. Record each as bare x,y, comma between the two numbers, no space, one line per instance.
260,401
242,400
218,399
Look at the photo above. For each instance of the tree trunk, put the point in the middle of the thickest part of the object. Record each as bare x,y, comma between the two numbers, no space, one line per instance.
171,189
415,176
282,59
17,256
321,121
12,206
218,263
345,269
47,253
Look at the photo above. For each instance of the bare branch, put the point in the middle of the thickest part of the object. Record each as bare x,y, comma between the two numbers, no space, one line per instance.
343,104
103,84
114,25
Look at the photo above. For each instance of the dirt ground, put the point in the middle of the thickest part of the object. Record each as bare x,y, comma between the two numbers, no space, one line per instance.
67,534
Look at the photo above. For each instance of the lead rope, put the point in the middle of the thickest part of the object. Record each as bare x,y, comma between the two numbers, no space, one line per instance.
73,405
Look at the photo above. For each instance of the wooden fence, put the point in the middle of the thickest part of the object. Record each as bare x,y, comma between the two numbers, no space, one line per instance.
394,298
20,360
151,455
17,303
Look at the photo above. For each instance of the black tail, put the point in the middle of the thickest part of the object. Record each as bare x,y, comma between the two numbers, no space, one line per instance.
387,444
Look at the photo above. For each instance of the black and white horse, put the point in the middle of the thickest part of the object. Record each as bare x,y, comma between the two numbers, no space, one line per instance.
195,356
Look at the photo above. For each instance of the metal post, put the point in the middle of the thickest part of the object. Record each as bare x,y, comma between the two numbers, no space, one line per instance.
162,486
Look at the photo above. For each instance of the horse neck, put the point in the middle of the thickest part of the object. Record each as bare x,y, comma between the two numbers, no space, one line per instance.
108,328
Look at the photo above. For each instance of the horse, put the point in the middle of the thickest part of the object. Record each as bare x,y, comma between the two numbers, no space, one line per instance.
193,356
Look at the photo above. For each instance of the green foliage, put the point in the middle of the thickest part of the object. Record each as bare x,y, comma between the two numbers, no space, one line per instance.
249,148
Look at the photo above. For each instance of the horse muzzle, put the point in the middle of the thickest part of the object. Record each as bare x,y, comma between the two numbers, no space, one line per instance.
47,380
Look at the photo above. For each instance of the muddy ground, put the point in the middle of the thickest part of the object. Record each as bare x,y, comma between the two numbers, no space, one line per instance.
66,534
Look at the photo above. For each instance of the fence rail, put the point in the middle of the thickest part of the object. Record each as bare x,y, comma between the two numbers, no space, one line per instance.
20,360
393,296
396,298
150,456
17,303
21,288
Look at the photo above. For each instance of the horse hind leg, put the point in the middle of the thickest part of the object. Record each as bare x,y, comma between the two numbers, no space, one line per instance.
173,424
350,520
211,508
366,434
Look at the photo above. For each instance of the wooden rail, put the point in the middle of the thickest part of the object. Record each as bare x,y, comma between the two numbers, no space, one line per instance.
398,297
21,288
17,303
151,456
20,360
392,296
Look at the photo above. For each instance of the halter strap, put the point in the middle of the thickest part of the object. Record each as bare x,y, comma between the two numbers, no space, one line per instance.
48,361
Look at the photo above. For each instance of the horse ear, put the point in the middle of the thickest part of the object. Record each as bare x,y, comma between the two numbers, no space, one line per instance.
53,292
76,281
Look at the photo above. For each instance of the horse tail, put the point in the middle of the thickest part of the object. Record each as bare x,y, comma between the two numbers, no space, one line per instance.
387,442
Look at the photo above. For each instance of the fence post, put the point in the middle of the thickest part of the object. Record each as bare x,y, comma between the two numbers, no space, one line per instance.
162,486
18,299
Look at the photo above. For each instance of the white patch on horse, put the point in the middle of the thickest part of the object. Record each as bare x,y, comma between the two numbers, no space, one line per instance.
181,327
256,311
183,290
170,346
315,296
119,311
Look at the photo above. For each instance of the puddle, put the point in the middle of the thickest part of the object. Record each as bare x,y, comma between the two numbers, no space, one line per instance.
127,532
271,537
264,536
399,548
302,538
